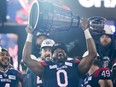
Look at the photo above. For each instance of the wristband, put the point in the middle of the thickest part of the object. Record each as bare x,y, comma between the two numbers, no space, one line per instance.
29,37
87,34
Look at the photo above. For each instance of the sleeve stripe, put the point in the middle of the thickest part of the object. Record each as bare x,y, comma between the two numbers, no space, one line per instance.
77,61
43,63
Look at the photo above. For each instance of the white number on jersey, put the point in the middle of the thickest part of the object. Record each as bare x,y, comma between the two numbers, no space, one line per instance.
106,73
59,72
39,81
7,85
88,86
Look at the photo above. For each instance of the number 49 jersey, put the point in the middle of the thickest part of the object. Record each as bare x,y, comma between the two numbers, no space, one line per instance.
60,74
10,78
93,80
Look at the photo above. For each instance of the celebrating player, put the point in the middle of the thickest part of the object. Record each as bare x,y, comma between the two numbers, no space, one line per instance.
9,77
60,72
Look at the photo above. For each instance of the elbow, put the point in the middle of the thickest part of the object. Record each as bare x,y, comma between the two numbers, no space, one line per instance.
93,54
25,59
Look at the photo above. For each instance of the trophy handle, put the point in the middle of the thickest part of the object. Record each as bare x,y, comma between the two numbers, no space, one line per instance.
34,15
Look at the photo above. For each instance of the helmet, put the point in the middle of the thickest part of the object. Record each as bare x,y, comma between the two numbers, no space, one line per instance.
97,22
47,43
106,58
59,45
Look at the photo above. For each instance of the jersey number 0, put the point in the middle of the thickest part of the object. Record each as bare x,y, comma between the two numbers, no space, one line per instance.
58,74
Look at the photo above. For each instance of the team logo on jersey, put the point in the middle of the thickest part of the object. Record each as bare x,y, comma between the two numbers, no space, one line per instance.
5,75
1,76
12,77
68,63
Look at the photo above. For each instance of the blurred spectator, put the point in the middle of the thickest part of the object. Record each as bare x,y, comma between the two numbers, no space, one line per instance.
13,48
106,46
105,62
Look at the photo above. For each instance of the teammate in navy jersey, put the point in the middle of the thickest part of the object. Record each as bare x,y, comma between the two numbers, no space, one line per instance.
96,76
45,51
59,72
9,77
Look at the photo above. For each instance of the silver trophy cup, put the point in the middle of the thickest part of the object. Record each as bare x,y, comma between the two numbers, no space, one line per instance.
46,17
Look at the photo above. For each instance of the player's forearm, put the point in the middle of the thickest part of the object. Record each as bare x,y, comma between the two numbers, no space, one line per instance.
92,54
87,61
27,49
90,45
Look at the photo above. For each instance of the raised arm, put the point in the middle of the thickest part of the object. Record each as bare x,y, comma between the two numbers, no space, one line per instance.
87,61
34,65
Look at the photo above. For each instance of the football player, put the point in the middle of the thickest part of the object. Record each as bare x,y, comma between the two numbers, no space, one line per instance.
9,77
59,72
96,76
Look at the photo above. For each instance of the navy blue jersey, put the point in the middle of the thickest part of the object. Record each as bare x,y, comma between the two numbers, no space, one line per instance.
36,80
33,80
10,78
60,74
93,80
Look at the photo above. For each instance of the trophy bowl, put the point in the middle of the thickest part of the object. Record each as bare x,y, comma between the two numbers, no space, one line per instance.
46,17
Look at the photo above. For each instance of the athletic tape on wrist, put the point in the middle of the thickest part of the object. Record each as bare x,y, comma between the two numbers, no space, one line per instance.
87,34
29,37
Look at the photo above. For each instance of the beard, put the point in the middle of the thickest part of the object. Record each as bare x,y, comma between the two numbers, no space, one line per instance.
4,63
3,66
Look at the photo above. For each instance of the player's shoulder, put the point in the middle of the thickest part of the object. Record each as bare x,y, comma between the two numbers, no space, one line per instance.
14,70
73,60
46,63
104,72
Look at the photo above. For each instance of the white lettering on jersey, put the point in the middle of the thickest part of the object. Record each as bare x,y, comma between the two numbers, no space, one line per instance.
12,77
62,67
68,63
98,3
1,76
5,80
53,66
